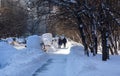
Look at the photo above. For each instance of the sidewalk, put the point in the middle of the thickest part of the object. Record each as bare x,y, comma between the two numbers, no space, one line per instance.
55,66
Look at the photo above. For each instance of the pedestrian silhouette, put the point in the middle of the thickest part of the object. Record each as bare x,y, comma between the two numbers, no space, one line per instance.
64,42
59,42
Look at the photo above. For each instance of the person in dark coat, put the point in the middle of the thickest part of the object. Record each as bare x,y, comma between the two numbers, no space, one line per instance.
64,41
59,42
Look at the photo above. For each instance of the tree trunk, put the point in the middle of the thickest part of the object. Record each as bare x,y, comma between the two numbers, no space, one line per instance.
83,40
96,45
104,45
115,48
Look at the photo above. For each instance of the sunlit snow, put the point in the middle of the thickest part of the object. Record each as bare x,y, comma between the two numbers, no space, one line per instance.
68,61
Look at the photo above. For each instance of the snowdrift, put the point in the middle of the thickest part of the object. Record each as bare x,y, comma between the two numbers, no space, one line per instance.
47,38
6,53
33,42
23,62
80,65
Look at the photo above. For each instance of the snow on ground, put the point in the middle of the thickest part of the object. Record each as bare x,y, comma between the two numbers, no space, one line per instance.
6,53
24,62
33,42
63,50
69,61
80,65
55,66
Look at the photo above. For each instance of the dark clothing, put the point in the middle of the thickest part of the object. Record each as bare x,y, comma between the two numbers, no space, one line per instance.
64,42
59,42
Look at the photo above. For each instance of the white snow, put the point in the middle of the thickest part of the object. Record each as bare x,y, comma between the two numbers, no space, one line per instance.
47,38
20,40
80,65
9,40
33,42
25,63
6,53
70,61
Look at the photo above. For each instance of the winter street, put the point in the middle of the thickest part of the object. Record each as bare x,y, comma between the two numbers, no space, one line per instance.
56,64
59,37
54,67
69,61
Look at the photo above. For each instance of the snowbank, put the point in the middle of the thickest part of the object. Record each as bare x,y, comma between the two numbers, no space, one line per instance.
74,65
33,42
9,40
6,53
20,40
25,63
47,38
80,65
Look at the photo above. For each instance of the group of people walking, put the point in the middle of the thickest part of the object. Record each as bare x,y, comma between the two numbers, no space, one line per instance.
56,42
62,41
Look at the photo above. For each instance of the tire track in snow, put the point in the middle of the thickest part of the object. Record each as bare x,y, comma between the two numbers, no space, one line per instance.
54,67
42,68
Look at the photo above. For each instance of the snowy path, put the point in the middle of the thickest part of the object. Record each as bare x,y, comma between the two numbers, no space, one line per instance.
55,66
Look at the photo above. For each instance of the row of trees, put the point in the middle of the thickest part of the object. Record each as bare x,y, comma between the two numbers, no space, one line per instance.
13,19
98,21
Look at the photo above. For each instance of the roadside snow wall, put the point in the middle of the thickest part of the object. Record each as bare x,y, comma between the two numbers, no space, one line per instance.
6,53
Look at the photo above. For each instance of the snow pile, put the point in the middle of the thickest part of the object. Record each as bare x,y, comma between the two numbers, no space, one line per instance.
80,65
9,40
20,40
55,42
47,38
32,61
23,62
33,42
49,42
73,61
26,56
6,53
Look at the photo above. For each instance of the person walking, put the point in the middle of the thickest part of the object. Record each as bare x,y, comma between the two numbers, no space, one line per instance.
59,42
64,42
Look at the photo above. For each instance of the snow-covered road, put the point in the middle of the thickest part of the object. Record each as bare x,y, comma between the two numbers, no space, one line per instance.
69,61
55,66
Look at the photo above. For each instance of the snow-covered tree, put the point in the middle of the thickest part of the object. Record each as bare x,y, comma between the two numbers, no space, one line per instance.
94,18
